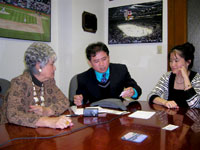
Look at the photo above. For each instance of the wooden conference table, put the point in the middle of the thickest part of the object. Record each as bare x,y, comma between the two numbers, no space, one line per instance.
107,135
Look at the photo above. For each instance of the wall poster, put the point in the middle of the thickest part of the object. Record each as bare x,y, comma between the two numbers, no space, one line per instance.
137,23
26,19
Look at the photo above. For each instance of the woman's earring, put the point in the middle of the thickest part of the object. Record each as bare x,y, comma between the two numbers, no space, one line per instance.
40,70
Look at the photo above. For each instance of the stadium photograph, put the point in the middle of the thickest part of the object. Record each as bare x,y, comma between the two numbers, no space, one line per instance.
26,19
137,23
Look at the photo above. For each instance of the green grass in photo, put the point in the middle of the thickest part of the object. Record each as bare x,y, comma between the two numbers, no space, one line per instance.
24,16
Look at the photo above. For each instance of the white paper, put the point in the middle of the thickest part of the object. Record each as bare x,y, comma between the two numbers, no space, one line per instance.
142,114
170,127
100,109
79,111
110,111
116,112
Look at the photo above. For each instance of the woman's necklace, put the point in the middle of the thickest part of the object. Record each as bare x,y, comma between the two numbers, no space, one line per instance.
179,82
40,100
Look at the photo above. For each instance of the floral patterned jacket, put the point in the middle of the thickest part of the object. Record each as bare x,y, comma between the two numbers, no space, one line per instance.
20,97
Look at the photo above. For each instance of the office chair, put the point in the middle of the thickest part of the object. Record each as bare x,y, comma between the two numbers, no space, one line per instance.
72,89
5,85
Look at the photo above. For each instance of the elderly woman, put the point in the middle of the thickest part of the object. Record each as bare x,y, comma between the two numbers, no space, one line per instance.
34,97
181,86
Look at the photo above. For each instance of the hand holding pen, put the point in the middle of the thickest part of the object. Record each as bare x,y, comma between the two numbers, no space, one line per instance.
128,92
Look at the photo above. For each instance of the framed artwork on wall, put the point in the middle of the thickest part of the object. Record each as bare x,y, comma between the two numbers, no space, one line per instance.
89,22
137,23
27,20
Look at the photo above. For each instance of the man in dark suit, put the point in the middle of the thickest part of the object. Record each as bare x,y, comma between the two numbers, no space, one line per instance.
104,79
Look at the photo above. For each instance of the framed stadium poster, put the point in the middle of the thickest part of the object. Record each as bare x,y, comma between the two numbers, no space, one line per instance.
27,20
137,23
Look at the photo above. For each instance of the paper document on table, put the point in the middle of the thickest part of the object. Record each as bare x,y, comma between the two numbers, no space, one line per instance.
116,112
142,114
170,127
109,111
100,109
77,111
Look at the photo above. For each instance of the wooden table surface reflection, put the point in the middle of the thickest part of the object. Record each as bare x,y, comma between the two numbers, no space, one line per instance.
108,136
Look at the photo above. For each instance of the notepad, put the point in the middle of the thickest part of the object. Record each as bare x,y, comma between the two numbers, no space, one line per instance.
170,127
142,114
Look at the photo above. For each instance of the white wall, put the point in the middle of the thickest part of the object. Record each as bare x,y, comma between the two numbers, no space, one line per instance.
11,57
69,41
73,40
64,44
80,38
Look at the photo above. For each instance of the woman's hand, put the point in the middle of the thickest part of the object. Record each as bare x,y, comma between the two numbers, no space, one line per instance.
167,110
184,72
61,122
185,75
40,110
171,104
166,103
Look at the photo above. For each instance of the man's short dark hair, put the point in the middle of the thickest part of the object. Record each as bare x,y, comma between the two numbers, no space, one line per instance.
93,48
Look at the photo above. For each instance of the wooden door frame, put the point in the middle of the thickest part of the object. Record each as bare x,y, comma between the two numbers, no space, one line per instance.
177,23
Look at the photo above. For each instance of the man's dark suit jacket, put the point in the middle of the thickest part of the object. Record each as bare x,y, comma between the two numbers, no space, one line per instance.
119,79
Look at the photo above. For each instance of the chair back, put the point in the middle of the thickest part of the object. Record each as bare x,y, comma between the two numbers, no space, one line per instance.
5,85
72,88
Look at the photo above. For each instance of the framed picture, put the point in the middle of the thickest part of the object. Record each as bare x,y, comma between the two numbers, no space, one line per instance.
137,23
27,20
89,22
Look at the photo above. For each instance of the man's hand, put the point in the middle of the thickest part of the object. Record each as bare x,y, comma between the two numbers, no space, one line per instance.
128,92
78,99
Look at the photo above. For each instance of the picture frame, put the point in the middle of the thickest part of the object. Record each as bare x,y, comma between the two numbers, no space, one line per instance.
136,23
89,22
26,20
